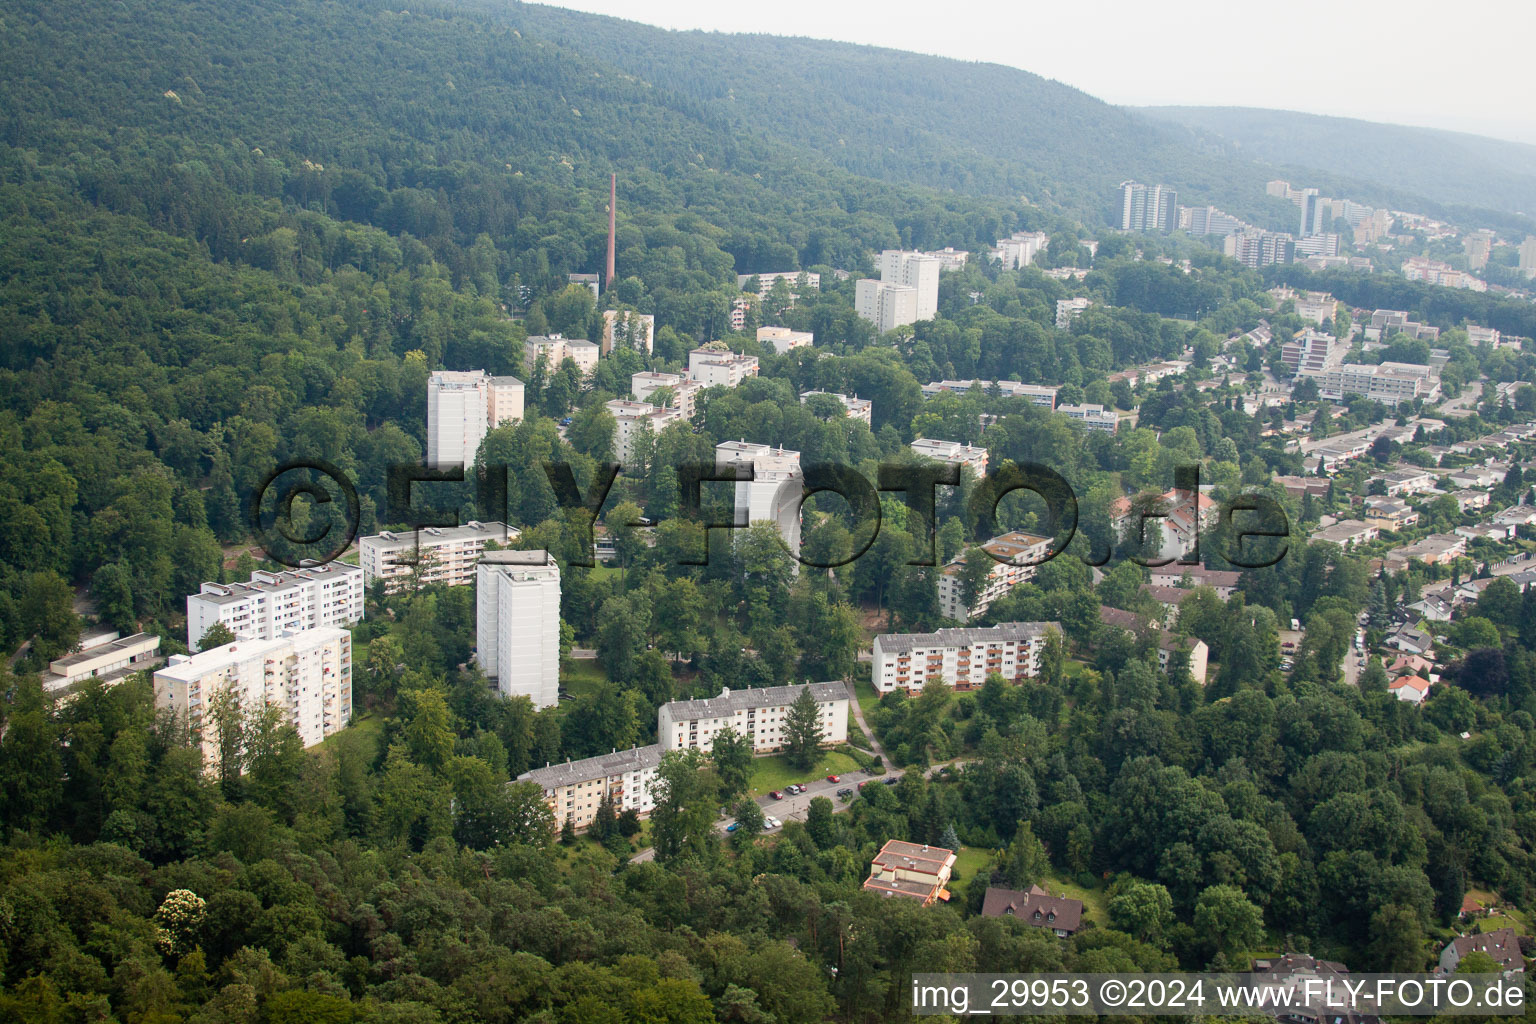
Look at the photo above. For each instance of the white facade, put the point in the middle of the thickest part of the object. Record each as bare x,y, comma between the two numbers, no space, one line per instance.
1389,383
775,492
108,658
447,554
517,635
308,675
574,790
781,339
962,658
953,451
1094,417
632,418
556,349
1068,309
273,603
685,390
1016,557
625,327
461,407
908,290
860,409
720,367
766,280
1042,395
1020,249
759,714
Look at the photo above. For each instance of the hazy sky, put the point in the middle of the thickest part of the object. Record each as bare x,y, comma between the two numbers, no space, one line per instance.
1461,65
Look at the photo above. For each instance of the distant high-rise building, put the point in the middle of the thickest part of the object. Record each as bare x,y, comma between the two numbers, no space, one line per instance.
775,491
461,407
1260,248
517,634
1314,213
1148,207
908,290
1528,256
1478,246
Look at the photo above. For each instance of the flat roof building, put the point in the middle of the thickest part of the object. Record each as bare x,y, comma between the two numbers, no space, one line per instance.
273,603
517,624
438,555
963,658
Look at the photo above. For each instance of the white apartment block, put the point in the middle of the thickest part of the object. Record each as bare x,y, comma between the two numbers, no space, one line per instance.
574,790
779,340
1020,249
1042,395
557,349
1389,383
308,675
517,624
720,367
1528,256
273,603
1094,417
685,390
630,419
949,258
462,405
953,451
443,555
908,290
1015,558
861,409
887,306
759,714
105,657
775,491
626,327
963,658
1067,310
765,281
1148,207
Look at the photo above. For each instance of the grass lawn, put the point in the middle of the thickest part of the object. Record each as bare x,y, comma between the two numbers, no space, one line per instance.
775,772
581,675
367,728
971,861
601,571
1074,668
1094,904
868,698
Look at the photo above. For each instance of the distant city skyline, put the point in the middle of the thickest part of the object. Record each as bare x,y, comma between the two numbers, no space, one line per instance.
1405,63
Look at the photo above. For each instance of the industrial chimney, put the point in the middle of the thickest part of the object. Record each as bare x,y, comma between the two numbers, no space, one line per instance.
613,209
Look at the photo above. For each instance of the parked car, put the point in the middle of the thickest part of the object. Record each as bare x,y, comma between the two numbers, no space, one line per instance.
833,778
771,822
845,794
733,826
791,789
777,794
893,780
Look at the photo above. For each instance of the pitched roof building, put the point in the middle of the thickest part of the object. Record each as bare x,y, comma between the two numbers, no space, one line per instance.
1036,908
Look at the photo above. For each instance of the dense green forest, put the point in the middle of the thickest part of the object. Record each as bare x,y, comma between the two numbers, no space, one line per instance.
236,235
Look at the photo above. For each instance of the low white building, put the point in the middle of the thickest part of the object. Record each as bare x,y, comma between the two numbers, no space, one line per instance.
1068,310
1094,417
963,658
574,790
860,409
1042,395
953,452
442,555
630,419
517,624
758,714
779,340
107,658
272,603
720,367
307,674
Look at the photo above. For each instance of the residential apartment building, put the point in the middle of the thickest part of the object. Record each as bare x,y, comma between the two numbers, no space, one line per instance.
1346,533
517,624
273,603
759,714
1148,207
105,657
1068,309
1208,220
630,419
438,555
1094,417
1528,256
766,281
684,390
775,491
962,657
715,365
911,871
555,349
1388,383
861,409
1313,353
1223,581
574,790
908,290
1390,321
1260,248
953,452
461,407
779,340
308,675
1039,394
1020,249
1015,558
1478,247
625,327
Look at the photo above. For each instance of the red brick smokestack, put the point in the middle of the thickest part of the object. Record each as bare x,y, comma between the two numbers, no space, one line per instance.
613,209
